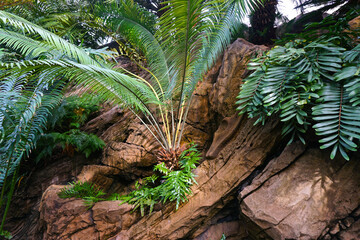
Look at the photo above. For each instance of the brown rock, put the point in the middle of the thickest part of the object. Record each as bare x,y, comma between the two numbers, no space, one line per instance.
348,221
100,124
216,180
301,200
62,218
71,219
23,216
354,25
298,195
98,175
232,72
232,230
352,233
129,159
200,113
133,156
335,229
223,134
289,155
110,217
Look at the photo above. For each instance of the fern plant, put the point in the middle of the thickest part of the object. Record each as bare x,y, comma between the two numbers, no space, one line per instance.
70,141
174,187
309,83
85,190
63,129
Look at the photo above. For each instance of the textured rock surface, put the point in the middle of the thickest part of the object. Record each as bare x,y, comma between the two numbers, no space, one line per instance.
355,26
301,193
23,216
71,219
233,70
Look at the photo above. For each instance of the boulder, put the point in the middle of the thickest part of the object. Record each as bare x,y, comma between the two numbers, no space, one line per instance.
72,219
301,193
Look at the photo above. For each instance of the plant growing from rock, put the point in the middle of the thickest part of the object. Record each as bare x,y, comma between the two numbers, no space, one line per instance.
85,190
189,36
174,187
310,82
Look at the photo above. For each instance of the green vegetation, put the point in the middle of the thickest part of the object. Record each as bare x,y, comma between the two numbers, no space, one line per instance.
173,187
87,191
63,128
175,60
47,47
25,115
187,39
71,141
311,81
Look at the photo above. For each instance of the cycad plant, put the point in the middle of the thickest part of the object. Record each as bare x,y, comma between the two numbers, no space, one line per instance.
189,36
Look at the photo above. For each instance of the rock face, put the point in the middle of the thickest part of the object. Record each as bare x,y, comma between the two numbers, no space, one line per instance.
301,193
249,185
71,219
23,216
232,71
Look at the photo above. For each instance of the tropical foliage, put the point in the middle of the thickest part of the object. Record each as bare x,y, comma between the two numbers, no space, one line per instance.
25,106
177,57
85,190
344,5
174,187
10,3
63,129
37,65
310,82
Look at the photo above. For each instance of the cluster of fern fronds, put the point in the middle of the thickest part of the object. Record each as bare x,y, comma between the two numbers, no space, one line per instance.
310,82
174,187
85,190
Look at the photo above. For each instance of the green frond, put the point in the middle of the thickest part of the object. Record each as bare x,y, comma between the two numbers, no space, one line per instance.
338,121
53,40
27,46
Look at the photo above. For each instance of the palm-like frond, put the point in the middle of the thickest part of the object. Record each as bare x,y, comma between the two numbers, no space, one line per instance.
55,41
135,29
338,121
25,103
189,37
27,46
194,33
